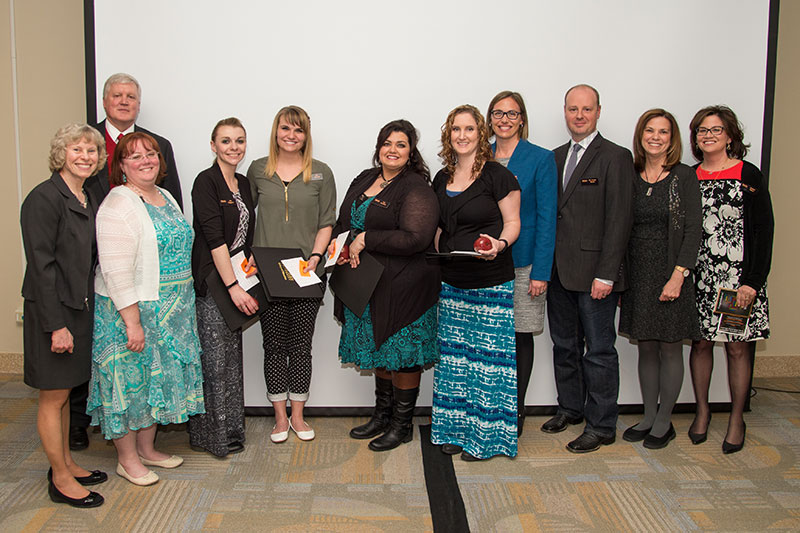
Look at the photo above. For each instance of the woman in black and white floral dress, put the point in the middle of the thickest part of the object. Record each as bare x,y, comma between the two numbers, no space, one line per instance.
735,253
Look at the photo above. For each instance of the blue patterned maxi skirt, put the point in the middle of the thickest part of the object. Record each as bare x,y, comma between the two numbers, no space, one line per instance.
475,382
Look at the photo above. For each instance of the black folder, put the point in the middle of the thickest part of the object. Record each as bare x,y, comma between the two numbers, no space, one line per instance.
234,318
354,286
277,279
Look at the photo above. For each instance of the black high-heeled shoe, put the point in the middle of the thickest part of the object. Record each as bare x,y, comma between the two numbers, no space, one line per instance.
92,500
700,438
728,448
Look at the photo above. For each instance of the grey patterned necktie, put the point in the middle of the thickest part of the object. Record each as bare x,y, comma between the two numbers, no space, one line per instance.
572,163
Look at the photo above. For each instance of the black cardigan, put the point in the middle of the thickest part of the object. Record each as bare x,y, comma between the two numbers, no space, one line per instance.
400,225
216,219
759,227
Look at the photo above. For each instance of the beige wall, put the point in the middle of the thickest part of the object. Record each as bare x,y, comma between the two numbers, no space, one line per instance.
50,88
784,288
50,84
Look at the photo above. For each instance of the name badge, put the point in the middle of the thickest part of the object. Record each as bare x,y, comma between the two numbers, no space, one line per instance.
589,181
748,188
381,203
227,202
316,176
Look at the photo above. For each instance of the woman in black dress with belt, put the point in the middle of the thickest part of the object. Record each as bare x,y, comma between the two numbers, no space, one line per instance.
57,220
658,309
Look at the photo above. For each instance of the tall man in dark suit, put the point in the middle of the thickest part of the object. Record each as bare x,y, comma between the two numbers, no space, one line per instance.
592,229
121,98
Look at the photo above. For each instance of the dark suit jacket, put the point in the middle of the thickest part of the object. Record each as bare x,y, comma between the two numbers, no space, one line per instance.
58,236
99,182
595,214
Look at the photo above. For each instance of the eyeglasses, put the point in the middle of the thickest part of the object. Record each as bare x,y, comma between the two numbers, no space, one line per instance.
715,131
136,158
512,115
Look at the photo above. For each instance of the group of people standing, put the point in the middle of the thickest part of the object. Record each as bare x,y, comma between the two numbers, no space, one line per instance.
122,328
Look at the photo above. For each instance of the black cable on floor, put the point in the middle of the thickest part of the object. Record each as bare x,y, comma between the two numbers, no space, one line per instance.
444,497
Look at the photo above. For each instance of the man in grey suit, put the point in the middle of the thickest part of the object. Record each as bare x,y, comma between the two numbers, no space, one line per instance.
593,224
121,98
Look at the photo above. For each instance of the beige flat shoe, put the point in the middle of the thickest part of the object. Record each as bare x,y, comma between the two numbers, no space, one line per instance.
280,436
303,435
149,478
172,461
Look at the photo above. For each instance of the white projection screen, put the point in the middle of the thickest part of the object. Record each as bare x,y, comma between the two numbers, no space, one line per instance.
356,64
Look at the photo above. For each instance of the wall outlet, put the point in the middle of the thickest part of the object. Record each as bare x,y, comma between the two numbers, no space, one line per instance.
18,314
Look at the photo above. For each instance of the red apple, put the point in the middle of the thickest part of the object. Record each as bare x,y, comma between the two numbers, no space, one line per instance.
482,243
345,252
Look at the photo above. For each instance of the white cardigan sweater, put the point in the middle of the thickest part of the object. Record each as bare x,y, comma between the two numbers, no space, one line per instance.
127,250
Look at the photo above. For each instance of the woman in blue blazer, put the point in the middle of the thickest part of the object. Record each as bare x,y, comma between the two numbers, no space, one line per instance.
535,169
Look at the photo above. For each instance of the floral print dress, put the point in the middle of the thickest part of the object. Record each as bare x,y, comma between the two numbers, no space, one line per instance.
719,261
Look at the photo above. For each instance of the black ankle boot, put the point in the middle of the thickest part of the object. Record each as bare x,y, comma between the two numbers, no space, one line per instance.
401,428
381,415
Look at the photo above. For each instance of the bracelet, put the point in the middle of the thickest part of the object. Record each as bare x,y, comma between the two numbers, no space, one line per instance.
507,245
234,282
312,254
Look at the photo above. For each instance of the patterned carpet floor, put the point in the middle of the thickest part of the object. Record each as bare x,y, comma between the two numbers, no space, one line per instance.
336,484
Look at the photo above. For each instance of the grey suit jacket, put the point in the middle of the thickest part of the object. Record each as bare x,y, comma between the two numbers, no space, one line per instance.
594,218
98,183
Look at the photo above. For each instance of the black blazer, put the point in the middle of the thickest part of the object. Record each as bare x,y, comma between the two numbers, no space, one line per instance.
400,224
595,215
58,236
216,219
98,183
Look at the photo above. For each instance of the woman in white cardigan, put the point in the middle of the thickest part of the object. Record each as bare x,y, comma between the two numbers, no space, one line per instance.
145,357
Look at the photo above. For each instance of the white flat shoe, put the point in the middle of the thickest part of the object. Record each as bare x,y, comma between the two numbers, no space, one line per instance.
172,461
280,436
303,435
149,478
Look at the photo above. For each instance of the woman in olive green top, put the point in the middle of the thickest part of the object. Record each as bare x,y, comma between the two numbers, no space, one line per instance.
295,197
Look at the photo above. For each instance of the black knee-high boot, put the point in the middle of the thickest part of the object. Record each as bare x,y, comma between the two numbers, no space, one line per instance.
381,415
401,428
524,368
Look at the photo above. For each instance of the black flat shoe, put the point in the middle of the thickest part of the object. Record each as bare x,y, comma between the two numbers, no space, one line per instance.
235,447
78,438
635,435
700,438
589,442
451,449
94,478
728,448
468,457
656,443
92,500
559,423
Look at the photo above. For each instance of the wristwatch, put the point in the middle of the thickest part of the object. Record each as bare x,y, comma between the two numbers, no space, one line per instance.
683,270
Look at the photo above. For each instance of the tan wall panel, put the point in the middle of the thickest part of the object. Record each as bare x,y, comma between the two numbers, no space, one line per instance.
10,239
784,288
50,88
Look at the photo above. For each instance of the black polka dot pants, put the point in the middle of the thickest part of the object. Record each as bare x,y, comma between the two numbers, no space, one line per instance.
288,327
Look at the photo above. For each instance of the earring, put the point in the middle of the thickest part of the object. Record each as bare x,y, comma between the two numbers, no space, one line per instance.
124,179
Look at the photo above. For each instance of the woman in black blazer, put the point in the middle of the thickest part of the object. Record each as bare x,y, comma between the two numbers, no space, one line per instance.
224,219
57,220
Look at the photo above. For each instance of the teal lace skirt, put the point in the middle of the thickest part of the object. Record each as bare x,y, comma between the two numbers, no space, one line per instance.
415,344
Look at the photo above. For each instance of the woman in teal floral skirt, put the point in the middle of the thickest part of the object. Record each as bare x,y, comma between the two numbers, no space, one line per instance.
145,358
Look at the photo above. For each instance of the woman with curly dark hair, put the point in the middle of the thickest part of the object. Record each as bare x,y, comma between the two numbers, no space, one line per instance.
391,213
735,253
475,382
